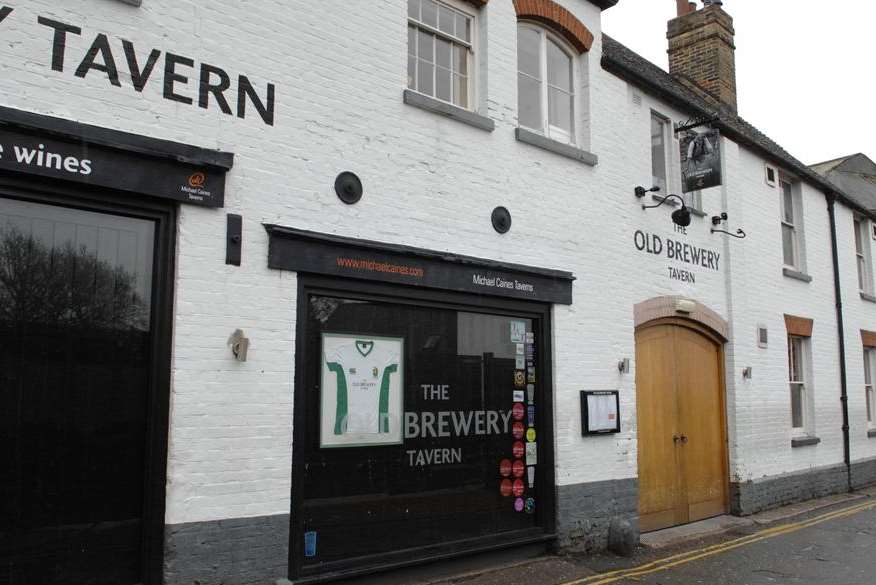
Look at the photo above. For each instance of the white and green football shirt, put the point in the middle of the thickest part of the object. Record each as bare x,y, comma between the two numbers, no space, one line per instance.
363,372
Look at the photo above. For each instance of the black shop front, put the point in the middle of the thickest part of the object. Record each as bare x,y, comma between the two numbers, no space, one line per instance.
87,235
423,411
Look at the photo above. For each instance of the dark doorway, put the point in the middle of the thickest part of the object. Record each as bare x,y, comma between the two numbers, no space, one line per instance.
78,306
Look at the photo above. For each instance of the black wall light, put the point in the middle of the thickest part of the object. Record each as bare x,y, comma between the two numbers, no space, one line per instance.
348,187
718,220
501,219
680,217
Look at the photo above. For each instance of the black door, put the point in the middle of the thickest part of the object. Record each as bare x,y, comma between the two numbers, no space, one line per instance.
76,345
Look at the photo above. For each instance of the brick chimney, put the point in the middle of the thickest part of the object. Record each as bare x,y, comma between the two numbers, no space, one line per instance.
702,51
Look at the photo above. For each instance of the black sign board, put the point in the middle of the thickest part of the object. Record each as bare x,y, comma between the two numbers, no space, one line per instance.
90,155
310,252
700,160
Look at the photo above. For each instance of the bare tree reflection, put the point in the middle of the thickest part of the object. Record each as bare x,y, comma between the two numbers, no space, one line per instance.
65,287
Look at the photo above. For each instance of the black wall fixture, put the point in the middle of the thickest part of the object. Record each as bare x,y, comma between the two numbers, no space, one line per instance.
234,239
348,187
501,220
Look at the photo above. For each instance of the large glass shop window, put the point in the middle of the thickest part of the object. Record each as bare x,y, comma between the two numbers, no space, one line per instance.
421,427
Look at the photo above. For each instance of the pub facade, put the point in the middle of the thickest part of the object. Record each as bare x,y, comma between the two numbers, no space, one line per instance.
288,300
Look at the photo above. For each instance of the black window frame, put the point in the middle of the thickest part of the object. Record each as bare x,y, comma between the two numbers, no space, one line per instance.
399,294
164,214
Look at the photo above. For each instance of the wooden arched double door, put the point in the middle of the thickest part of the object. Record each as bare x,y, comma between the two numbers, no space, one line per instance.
681,424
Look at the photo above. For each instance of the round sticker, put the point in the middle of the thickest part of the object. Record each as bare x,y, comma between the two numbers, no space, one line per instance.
505,467
530,435
518,505
519,411
519,468
519,450
530,505
505,488
517,488
517,430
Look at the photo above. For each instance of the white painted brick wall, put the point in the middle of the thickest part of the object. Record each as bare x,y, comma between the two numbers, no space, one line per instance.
340,69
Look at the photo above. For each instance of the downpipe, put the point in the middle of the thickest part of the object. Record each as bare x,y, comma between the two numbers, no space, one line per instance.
844,394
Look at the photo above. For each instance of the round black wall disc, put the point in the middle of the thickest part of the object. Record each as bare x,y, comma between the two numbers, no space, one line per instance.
501,220
348,187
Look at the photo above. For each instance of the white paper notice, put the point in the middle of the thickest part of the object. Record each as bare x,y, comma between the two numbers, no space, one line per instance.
531,453
601,412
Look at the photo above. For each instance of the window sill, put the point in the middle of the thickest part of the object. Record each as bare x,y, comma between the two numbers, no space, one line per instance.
804,442
871,434
868,297
566,150
430,104
796,275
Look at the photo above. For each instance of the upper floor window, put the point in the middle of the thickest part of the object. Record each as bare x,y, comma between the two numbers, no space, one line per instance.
440,51
659,151
790,226
545,83
862,256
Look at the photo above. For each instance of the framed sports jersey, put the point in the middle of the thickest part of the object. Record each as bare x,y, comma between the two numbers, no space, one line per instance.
361,394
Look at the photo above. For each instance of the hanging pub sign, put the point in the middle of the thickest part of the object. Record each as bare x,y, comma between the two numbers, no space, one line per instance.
700,159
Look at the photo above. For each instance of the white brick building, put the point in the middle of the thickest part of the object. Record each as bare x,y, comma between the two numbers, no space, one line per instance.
170,120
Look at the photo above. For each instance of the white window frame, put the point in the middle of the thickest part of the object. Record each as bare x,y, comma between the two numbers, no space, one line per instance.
796,226
862,254
553,132
471,45
667,155
799,354
869,393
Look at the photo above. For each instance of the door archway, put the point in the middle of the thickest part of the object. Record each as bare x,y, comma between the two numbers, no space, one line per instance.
682,434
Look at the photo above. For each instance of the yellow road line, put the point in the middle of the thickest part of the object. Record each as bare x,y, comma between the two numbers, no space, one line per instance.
690,556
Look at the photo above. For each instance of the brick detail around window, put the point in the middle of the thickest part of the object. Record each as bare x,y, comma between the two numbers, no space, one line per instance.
557,18
799,326
868,338
664,307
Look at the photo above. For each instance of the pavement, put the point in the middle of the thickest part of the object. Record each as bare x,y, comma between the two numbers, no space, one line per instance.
831,541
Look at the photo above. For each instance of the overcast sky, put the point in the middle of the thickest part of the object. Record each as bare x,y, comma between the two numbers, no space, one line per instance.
804,69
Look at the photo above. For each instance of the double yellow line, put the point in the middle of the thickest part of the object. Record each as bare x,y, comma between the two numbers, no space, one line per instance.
694,555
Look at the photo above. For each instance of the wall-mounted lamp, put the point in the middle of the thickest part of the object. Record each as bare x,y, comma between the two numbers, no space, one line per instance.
680,217
746,373
718,220
239,345
641,191
623,366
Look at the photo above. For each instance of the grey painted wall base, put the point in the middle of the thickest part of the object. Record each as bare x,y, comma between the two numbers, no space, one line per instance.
863,473
238,551
585,512
751,497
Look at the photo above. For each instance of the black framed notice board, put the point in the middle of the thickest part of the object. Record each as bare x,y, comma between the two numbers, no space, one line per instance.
600,412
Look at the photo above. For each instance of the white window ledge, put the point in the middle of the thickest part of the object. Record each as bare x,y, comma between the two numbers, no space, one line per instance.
804,442
430,104
796,275
561,148
868,297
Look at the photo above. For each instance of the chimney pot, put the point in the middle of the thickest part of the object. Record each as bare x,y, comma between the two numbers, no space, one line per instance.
685,7
702,52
